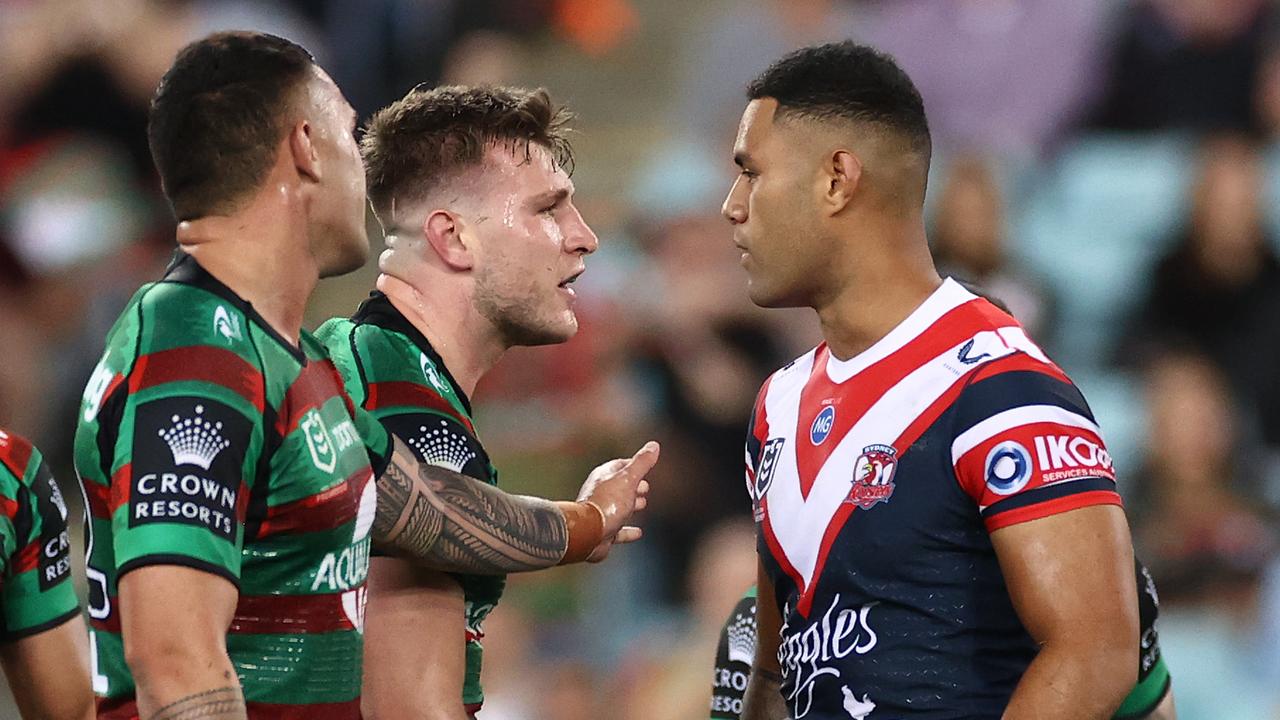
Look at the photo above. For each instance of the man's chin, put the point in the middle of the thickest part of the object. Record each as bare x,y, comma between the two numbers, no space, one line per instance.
346,260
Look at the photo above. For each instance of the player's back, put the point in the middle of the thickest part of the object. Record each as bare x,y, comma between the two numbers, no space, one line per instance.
208,440
878,480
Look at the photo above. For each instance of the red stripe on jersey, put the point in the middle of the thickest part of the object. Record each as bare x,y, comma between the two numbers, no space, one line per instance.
127,709
111,624
27,558
1019,361
315,385
325,510
314,711
8,507
1052,507
99,497
971,468
289,614
119,490
407,394
956,325
15,453
203,363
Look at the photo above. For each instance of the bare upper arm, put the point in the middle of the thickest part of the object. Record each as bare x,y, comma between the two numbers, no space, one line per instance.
415,643
171,613
49,673
1070,576
768,622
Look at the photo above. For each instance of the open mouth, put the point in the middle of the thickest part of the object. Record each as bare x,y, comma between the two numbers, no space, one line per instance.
564,284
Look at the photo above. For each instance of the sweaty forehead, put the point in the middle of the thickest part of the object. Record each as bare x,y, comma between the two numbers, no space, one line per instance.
527,174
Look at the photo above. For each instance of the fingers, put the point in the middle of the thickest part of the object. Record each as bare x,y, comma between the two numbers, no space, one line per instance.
643,461
628,534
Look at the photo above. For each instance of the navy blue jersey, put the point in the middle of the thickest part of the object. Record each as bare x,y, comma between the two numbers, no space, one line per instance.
877,482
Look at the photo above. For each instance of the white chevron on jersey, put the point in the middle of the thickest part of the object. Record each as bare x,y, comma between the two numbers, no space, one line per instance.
798,523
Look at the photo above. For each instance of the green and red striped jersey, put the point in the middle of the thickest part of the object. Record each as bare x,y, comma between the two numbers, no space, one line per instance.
391,369
207,440
35,551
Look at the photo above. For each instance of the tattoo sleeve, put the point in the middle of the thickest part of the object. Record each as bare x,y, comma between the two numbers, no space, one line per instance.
221,704
448,521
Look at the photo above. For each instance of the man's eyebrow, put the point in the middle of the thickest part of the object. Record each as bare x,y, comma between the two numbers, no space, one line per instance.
550,197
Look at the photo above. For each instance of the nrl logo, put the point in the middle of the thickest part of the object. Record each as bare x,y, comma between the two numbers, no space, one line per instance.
319,442
873,476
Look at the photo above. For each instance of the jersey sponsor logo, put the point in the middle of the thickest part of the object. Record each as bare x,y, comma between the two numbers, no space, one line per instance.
345,570
808,655
1066,457
194,440
873,476
443,446
226,324
742,636
323,453
821,428
1008,468
186,464
54,565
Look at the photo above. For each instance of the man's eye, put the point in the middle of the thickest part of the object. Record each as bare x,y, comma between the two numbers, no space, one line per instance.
547,210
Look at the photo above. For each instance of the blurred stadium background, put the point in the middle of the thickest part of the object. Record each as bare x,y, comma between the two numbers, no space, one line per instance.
1109,169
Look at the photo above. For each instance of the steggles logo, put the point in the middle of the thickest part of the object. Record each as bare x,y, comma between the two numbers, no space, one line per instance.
195,440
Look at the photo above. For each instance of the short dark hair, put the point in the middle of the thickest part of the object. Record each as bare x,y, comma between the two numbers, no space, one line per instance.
217,115
413,145
848,81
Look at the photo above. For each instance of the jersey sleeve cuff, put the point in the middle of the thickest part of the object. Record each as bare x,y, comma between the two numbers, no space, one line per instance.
182,560
15,635
1015,516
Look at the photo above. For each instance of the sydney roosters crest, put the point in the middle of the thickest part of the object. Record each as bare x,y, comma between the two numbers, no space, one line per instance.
873,476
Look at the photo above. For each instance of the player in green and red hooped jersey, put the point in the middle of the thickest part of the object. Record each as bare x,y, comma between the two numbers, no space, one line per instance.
234,490
43,645
471,189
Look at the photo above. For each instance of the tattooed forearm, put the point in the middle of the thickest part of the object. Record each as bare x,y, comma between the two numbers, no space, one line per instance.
448,521
221,704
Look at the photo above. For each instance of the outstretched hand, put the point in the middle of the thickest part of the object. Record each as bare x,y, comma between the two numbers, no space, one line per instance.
619,488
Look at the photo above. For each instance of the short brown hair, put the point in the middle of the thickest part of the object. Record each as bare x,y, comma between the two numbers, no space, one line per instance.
217,115
422,140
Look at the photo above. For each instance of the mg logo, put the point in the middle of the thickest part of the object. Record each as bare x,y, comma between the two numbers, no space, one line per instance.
319,441
822,425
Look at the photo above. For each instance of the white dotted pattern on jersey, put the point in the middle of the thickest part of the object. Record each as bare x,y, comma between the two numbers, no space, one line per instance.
443,447
742,637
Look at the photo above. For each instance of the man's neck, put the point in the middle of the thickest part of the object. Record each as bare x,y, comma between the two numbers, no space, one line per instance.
261,254
465,341
877,292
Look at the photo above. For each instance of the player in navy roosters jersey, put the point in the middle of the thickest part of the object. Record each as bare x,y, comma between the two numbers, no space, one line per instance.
939,530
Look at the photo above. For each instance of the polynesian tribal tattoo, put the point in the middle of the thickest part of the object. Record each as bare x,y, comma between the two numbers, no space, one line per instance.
221,704
448,521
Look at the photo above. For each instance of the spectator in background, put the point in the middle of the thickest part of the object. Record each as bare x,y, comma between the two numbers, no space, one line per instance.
969,244
1218,290
1187,64
1206,547
670,682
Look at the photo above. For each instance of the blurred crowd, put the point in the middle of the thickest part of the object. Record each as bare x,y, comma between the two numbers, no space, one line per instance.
1108,169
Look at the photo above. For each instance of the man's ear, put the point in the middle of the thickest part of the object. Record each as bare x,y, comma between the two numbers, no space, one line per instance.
843,175
445,234
306,160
